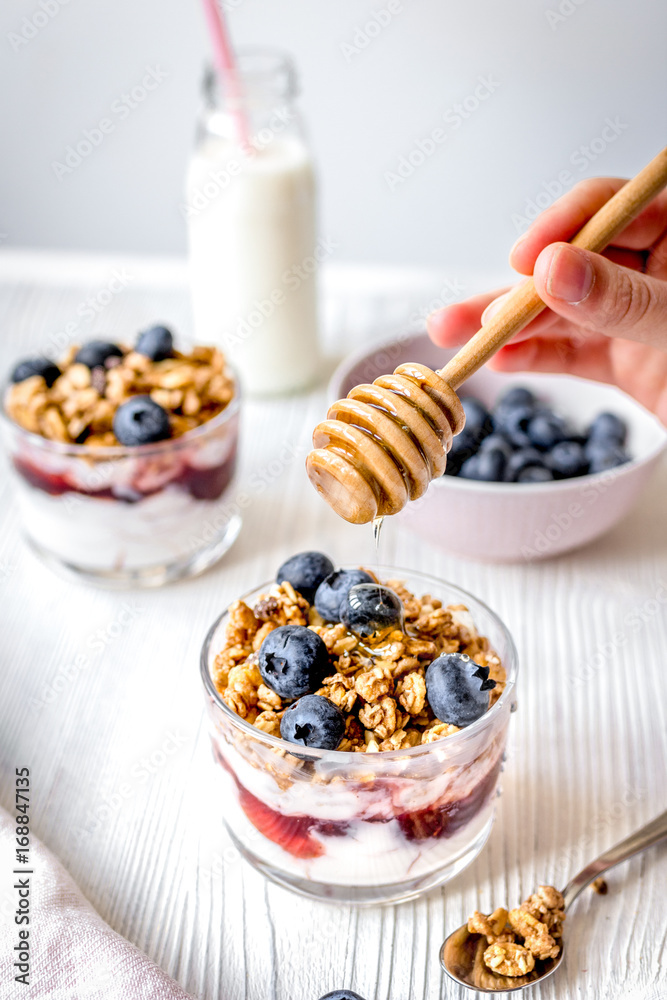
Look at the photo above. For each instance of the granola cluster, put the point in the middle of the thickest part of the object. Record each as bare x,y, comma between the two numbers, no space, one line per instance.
79,407
517,938
381,691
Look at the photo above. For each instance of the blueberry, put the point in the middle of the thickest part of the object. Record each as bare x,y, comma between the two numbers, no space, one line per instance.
305,572
463,447
478,418
156,343
546,429
605,455
334,590
499,442
140,420
514,425
341,995
458,689
518,396
521,459
567,459
487,466
293,660
470,468
313,721
535,474
608,427
95,353
36,366
371,610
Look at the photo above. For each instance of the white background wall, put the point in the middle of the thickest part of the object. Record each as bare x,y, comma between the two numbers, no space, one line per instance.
562,68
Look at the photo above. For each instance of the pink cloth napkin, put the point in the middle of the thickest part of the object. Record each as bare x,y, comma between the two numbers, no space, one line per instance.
74,954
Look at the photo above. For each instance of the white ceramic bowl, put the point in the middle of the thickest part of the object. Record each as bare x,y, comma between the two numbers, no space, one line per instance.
512,522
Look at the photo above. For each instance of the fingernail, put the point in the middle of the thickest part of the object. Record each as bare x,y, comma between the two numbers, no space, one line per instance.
570,276
519,241
493,308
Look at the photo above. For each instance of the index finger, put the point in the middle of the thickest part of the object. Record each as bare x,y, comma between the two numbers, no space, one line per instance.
566,216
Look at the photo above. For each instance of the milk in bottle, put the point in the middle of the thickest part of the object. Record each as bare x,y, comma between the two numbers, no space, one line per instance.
251,229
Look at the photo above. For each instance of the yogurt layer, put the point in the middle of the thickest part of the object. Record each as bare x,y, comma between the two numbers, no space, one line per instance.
105,534
366,854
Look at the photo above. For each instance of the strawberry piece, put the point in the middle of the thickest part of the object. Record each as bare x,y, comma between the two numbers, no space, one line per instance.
292,833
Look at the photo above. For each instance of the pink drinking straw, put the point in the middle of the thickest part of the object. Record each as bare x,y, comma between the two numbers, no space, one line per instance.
227,68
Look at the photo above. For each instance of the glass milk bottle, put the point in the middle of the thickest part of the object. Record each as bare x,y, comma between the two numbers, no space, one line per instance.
251,229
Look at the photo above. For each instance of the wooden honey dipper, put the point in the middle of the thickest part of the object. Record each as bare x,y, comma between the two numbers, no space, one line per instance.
382,445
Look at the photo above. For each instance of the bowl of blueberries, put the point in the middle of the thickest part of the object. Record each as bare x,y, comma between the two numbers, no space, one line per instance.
544,464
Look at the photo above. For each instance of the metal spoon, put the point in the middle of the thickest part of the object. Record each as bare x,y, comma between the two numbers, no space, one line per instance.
461,953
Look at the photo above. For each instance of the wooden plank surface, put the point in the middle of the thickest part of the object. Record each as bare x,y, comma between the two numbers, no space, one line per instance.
125,792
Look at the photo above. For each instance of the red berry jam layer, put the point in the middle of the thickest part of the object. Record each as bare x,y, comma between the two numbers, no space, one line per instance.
306,836
201,483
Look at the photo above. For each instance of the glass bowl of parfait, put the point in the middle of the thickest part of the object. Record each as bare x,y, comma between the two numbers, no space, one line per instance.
360,765
122,458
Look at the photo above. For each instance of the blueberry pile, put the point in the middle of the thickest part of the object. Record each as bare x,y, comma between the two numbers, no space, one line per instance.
350,596
314,576
524,441
293,659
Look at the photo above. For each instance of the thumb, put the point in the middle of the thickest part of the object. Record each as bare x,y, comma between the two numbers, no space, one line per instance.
594,293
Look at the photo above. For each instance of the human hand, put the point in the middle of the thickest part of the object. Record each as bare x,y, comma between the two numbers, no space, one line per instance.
607,313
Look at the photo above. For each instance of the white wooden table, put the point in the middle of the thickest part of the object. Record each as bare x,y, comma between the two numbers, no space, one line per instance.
100,697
